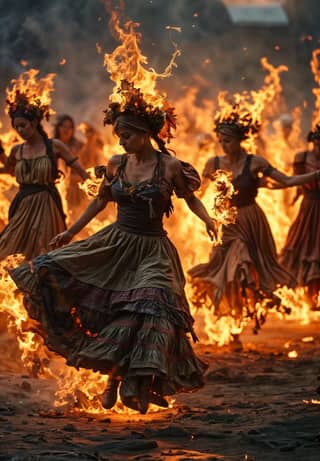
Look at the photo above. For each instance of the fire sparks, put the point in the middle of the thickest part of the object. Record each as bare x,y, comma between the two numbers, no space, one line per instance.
292,354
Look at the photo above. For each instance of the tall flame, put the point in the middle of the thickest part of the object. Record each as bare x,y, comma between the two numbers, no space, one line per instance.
128,63
35,88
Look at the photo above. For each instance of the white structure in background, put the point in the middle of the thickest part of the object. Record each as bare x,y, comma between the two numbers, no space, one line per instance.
257,12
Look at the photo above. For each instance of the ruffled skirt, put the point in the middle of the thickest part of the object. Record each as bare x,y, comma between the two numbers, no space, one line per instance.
242,270
301,254
115,303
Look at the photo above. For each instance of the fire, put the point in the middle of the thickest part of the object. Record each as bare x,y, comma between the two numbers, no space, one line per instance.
292,354
222,191
315,68
128,63
82,388
36,89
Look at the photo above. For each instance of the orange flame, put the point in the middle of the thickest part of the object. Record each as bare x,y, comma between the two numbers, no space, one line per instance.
127,62
36,89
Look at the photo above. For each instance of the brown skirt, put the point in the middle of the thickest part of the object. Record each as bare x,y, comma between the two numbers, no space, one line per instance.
34,224
242,270
115,303
301,253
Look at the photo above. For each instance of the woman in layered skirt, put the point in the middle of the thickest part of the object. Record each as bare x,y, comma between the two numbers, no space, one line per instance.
243,270
115,302
301,253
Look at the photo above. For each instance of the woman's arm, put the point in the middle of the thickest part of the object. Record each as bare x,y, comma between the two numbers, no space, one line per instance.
208,171
194,204
97,205
62,150
198,208
261,165
205,183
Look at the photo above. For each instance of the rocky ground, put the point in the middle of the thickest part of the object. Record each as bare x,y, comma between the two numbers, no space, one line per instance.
258,404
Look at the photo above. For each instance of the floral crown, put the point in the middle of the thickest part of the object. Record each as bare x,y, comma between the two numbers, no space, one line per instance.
160,121
28,106
243,124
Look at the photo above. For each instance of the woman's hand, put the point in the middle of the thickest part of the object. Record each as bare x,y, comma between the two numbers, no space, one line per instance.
61,239
212,229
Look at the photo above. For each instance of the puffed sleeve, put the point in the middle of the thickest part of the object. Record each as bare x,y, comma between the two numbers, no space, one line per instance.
105,186
191,180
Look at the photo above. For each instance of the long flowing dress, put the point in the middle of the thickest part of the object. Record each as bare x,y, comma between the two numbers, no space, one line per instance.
301,253
244,268
115,302
35,215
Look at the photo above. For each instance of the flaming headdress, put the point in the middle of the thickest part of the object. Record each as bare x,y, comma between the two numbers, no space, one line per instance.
30,97
238,123
135,93
158,120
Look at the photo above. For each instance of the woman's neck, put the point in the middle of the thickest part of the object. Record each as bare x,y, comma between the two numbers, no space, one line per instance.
236,157
34,140
146,155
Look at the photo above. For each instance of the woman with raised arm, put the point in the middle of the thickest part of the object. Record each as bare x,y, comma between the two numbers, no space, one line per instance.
301,253
244,269
115,302
36,213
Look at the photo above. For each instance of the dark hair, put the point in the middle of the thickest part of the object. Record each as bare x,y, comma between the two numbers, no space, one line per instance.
314,134
60,120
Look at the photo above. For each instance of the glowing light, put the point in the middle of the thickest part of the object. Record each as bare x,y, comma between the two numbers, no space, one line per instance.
292,354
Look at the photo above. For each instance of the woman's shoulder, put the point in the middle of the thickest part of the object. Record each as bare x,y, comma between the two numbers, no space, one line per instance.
15,149
116,159
57,144
258,160
301,157
171,162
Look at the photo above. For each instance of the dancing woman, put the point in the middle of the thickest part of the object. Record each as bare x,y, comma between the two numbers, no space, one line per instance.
35,214
244,268
301,253
115,302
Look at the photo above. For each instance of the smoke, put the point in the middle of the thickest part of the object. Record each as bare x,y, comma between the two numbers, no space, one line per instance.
216,54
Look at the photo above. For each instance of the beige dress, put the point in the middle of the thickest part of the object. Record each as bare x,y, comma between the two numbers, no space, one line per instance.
37,218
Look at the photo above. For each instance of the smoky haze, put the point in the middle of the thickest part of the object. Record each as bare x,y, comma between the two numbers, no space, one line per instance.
216,54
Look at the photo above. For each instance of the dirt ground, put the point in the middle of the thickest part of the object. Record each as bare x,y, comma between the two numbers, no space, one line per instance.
258,404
